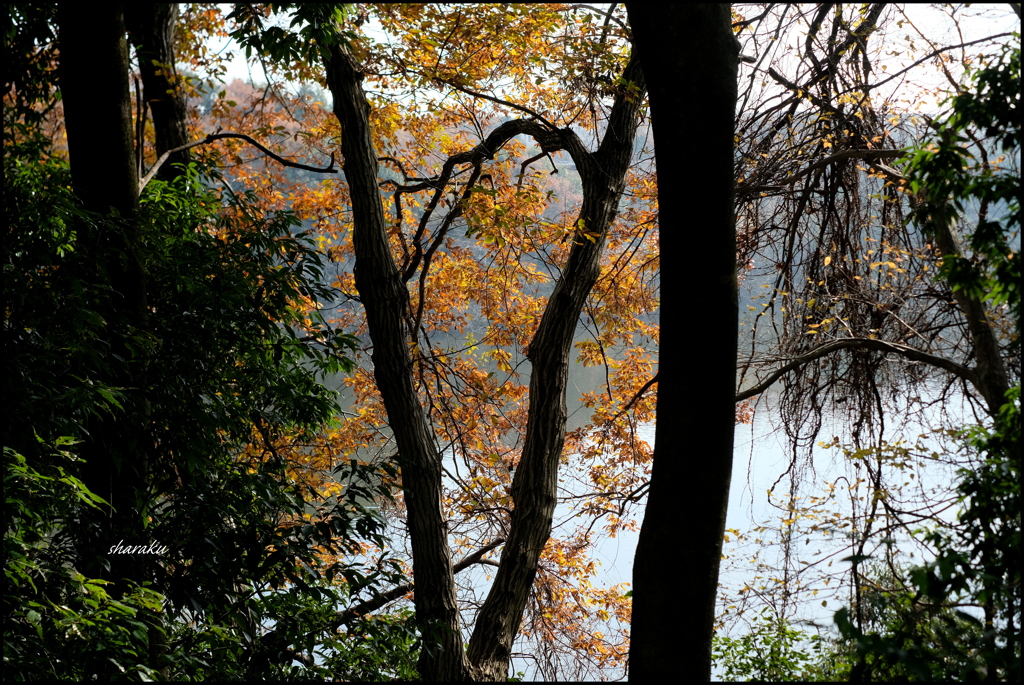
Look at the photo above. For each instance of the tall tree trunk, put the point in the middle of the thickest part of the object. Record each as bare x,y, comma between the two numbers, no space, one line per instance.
385,299
690,58
535,485
152,28
97,112
93,77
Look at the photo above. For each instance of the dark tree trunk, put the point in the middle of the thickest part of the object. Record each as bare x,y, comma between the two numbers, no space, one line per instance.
97,107
152,28
993,381
690,58
97,111
386,299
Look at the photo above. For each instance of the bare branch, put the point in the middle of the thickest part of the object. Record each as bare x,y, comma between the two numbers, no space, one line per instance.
531,160
521,108
963,372
329,169
845,154
363,608
934,53
748,22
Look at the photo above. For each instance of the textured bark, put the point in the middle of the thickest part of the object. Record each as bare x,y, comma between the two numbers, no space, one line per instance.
382,289
152,28
690,58
534,486
386,300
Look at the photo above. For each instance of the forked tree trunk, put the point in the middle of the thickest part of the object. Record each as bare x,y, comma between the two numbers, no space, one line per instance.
690,58
386,299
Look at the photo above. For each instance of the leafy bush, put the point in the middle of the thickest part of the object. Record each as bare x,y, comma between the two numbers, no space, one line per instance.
58,624
227,371
773,651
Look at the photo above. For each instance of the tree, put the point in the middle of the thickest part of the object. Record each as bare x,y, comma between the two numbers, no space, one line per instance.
979,559
394,327
670,41
479,247
477,416
916,622
162,327
852,331
386,301
152,26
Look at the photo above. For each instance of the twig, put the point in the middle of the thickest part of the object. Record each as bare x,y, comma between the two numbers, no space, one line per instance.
521,108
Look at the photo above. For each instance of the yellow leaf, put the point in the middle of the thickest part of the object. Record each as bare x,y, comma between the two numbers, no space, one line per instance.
828,260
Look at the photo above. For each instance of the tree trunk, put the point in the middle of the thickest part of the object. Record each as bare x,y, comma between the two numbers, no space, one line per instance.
386,300
97,112
534,487
690,58
94,88
993,381
152,26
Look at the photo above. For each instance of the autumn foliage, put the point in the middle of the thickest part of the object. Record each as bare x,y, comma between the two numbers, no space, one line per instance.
480,256
482,238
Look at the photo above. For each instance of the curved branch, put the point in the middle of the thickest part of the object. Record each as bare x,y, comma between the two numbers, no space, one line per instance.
963,372
531,160
548,140
934,53
636,397
370,605
329,169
